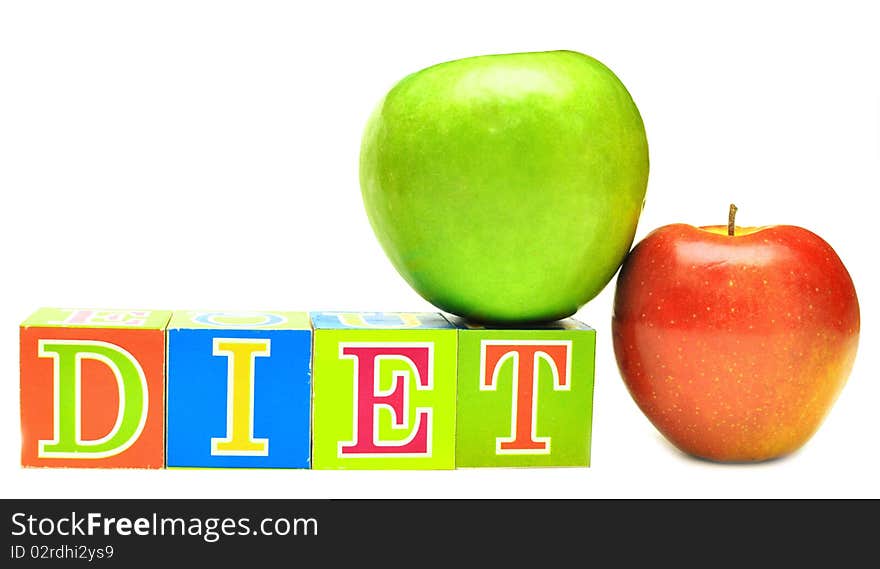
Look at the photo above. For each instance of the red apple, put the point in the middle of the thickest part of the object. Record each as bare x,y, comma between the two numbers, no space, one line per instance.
735,341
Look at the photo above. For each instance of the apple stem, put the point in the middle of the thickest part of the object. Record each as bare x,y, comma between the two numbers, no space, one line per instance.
731,217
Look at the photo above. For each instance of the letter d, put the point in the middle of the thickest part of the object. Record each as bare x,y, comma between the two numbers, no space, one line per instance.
67,441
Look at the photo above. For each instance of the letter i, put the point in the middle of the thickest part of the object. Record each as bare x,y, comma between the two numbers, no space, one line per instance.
241,354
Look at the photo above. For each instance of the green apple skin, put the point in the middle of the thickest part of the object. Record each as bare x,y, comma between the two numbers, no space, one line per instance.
506,188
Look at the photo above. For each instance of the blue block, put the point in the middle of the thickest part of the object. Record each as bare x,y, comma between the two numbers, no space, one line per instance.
239,390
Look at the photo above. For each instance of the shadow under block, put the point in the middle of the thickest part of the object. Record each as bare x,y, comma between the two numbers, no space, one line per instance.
525,395
239,390
93,388
384,391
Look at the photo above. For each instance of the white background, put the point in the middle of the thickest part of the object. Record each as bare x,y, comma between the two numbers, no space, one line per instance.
204,155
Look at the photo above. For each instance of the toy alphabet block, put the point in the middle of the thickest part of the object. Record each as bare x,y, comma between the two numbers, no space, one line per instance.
93,388
384,391
239,389
525,394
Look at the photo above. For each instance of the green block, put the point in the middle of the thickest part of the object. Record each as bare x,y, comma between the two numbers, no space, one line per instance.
383,389
525,395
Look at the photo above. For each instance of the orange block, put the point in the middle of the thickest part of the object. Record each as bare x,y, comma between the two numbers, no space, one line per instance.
93,388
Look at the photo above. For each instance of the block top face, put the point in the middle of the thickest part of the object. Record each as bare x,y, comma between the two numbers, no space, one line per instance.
565,324
224,320
379,321
98,318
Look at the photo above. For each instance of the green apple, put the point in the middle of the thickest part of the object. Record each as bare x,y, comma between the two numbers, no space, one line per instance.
506,188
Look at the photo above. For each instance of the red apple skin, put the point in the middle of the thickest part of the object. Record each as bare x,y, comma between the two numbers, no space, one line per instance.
735,347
